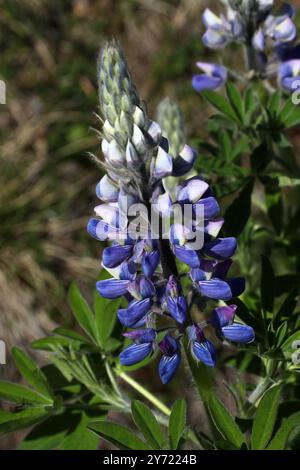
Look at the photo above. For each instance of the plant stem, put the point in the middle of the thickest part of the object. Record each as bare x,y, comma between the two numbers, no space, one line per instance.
139,388
112,379
201,374
262,386
157,403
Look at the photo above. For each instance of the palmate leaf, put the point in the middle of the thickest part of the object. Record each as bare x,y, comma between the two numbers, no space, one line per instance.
265,417
118,435
147,424
224,423
177,423
31,372
221,104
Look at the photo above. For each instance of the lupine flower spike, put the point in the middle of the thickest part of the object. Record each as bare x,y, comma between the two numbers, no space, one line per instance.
144,264
258,27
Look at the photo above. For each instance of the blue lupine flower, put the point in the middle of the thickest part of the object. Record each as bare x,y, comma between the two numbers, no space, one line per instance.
281,29
143,268
214,77
289,75
176,302
202,349
210,279
221,30
223,321
143,346
136,313
170,360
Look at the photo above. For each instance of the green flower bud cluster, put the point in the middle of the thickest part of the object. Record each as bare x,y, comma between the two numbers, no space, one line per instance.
170,119
129,136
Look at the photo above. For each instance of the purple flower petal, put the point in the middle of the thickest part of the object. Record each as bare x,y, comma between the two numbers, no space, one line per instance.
107,190
115,255
163,164
150,262
220,248
214,39
206,82
215,289
135,311
187,256
135,353
112,288
184,162
210,20
147,335
239,333
204,352
177,308
210,206
223,316
258,40
167,367
191,190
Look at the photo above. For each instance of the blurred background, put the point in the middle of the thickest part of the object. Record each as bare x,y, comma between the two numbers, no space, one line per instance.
48,51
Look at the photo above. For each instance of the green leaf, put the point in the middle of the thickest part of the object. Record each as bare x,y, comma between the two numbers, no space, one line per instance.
288,306
274,103
49,343
80,438
251,103
267,285
235,100
21,395
71,334
265,417
31,372
81,310
238,213
220,103
293,119
279,441
177,423
106,315
289,341
285,181
287,110
66,431
147,424
225,423
281,333
118,435
260,157
274,207
21,419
